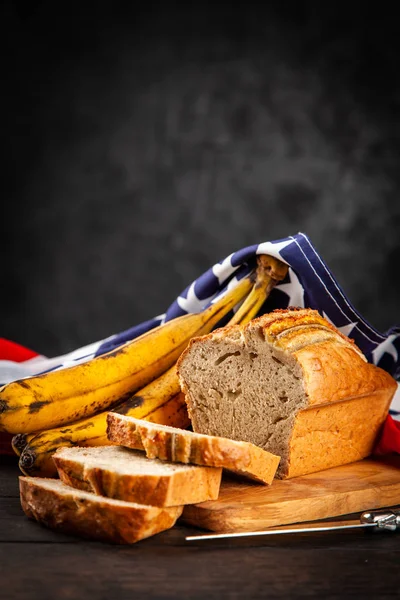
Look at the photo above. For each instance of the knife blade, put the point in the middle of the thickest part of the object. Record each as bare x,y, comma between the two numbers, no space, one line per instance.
386,520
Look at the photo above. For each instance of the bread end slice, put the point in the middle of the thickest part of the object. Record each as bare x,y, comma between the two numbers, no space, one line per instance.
57,506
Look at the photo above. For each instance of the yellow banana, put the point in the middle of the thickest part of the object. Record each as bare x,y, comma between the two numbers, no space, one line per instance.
173,412
65,396
270,271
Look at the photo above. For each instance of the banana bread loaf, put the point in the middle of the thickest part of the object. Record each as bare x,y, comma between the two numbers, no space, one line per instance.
290,383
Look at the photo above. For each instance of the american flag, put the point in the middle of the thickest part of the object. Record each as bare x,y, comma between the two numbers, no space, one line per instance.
309,283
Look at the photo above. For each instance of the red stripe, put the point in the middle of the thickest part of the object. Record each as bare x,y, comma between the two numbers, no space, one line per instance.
15,352
389,440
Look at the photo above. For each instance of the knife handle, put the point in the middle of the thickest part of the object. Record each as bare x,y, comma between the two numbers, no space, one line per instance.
388,519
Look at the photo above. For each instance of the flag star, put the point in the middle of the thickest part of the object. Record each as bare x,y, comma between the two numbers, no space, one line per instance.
192,304
294,290
386,347
161,318
223,270
345,329
274,249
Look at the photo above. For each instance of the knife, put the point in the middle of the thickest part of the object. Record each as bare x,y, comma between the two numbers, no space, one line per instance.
382,520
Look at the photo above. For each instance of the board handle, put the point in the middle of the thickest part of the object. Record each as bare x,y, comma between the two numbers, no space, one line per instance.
384,519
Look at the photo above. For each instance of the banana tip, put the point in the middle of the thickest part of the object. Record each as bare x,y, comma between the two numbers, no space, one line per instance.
27,460
19,442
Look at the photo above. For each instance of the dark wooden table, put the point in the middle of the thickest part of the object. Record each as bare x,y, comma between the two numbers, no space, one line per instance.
38,563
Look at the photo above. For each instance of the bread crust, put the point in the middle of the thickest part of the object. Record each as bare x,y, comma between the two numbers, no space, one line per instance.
178,445
332,370
188,486
333,373
336,434
73,512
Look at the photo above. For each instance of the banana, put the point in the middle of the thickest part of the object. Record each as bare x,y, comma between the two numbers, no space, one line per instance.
269,272
173,412
65,396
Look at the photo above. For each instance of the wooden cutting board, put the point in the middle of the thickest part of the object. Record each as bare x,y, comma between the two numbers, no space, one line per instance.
246,506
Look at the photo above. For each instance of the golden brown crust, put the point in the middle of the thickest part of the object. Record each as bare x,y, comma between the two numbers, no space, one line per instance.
281,326
280,319
191,448
333,372
328,436
172,489
75,513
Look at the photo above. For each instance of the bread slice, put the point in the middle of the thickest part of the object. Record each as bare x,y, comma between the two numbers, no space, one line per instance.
178,445
290,383
60,507
128,475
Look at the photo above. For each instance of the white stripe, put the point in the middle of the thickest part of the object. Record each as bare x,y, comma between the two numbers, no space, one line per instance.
330,295
10,371
344,297
396,400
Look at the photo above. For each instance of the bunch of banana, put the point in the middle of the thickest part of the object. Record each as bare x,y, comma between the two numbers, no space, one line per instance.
159,401
65,396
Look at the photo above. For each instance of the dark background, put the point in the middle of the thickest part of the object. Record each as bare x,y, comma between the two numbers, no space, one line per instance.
143,146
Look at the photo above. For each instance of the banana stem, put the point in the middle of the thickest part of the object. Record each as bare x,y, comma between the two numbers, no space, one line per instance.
18,443
270,271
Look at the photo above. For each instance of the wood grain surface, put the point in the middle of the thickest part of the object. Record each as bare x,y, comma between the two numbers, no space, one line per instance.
36,563
244,506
